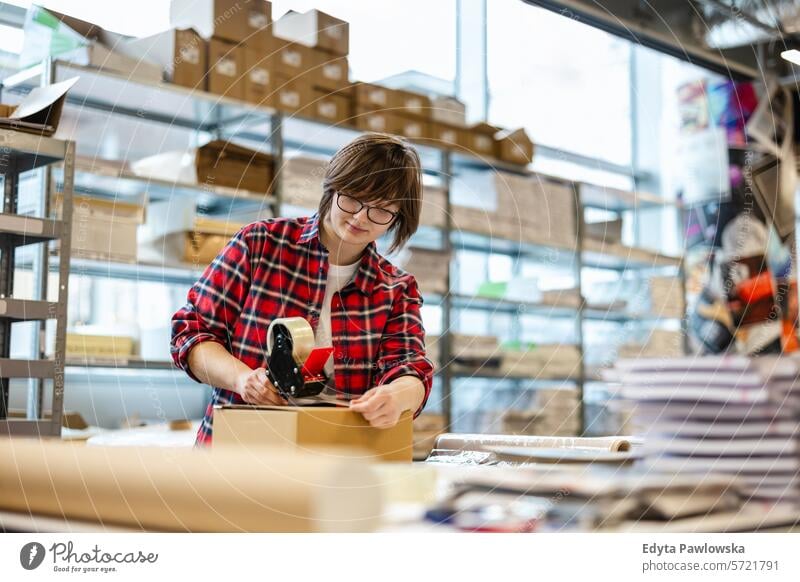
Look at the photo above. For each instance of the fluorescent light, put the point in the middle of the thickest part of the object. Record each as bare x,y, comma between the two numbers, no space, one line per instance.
793,56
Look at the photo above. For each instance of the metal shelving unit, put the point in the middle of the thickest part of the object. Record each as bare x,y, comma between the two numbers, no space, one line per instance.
163,107
20,153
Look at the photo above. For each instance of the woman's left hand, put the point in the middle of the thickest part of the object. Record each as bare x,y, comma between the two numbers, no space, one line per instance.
381,406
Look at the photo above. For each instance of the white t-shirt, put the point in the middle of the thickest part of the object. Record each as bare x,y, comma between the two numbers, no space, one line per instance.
338,277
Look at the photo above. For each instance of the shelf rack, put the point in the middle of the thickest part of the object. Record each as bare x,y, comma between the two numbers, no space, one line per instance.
164,107
21,153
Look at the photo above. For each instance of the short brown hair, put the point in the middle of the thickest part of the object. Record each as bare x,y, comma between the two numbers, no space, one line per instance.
378,166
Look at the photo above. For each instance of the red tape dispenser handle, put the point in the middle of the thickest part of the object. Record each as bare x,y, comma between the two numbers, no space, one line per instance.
315,362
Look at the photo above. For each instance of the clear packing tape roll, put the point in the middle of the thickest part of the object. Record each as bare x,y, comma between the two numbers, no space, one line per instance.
222,490
302,337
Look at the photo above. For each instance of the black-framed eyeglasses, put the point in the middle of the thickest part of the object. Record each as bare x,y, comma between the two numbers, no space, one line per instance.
353,206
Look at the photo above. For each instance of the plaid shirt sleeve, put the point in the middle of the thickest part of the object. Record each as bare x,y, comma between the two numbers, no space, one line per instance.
214,302
402,347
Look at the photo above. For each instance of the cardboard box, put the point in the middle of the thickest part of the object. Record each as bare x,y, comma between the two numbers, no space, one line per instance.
413,128
105,229
225,164
514,146
292,95
6,110
329,71
292,60
98,346
447,136
226,68
315,29
331,107
449,110
410,104
259,80
480,140
181,53
236,21
369,96
202,244
378,121
297,427
302,179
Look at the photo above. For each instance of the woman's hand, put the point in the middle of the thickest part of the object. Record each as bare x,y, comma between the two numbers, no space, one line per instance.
380,406
255,388
383,405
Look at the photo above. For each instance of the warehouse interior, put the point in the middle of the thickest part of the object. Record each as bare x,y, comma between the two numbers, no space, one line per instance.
579,164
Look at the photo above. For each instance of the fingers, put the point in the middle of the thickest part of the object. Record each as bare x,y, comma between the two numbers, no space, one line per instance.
259,390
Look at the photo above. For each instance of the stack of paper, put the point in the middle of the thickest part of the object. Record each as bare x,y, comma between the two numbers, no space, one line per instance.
720,414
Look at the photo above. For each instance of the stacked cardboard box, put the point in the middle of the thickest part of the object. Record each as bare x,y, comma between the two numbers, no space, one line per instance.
560,408
607,230
434,207
105,229
302,179
475,350
666,296
231,29
659,343
542,361
80,345
429,267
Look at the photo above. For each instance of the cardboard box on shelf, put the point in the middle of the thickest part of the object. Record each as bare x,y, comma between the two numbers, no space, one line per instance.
315,29
429,267
226,68
447,136
375,97
226,164
605,230
259,80
6,110
292,60
331,107
203,243
83,346
292,95
410,104
181,53
298,427
514,146
372,120
330,72
448,110
480,140
434,206
412,128
236,21
50,34
105,229
302,181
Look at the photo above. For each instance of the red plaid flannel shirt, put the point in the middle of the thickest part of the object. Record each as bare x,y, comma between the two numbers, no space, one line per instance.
278,268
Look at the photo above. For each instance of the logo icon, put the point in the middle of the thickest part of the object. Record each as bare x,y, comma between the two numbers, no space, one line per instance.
31,555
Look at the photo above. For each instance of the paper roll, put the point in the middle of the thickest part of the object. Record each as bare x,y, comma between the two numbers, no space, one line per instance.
260,489
480,442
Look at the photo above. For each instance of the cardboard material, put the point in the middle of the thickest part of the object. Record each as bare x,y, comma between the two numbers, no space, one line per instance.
331,107
291,59
181,53
206,240
514,146
369,120
410,104
315,29
173,489
236,21
413,128
480,140
81,345
330,72
259,81
298,428
226,68
447,136
291,95
449,110
40,111
369,96
104,229
225,164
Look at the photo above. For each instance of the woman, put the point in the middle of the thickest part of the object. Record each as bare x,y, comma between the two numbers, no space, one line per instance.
326,269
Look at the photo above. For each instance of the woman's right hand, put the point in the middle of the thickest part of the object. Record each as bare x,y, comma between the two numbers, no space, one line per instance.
255,388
